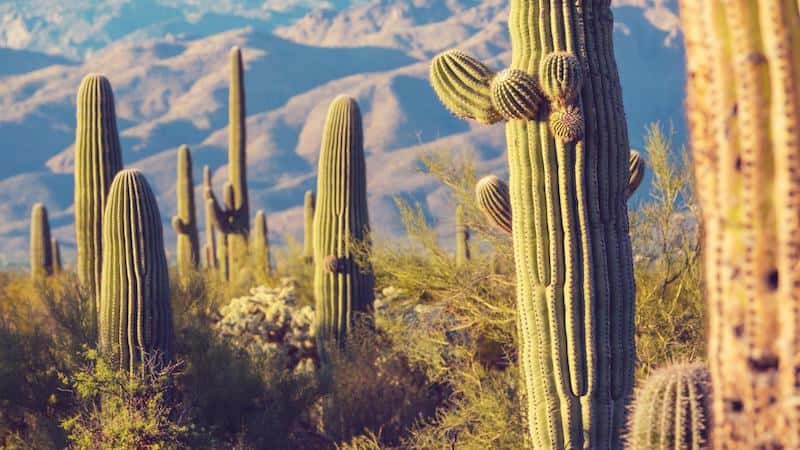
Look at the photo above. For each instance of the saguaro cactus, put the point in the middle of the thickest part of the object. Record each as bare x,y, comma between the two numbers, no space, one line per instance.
342,287
462,238
743,59
491,194
308,230
671,411
211,240
135,311
233,220
568,159
98,158
185,222
56,251
41,250
637,168
260,246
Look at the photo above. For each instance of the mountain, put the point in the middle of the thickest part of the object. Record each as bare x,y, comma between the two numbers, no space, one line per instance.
170,85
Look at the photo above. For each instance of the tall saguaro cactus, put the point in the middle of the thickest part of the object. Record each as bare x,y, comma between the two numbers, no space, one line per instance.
308,229
98,158
185,222
233,220
743,100
41,253
567,141
210,249
135,312
56,251
462,238
260,246
342,287
671,410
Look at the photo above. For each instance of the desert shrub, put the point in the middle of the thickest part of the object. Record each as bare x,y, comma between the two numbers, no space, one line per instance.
670,311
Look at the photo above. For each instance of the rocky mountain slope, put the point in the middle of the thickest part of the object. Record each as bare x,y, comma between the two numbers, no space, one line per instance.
170,83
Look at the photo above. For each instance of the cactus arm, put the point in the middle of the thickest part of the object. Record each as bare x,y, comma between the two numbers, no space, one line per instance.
462,83
56,251
41,252
637,169
308,229
491,195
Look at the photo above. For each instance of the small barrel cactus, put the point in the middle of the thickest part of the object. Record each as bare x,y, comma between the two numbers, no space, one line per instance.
260,247
341,220
185,222
135,312
462,238
308,230
671,411
41,246
98,158
491,194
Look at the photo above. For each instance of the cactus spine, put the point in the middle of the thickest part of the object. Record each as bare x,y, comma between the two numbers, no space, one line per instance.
56,252
568,180
135,312
98,158
211,240
462,238
41,250
308,230
743,102
342,287
491,194
260,250
233,220
185,222
671,410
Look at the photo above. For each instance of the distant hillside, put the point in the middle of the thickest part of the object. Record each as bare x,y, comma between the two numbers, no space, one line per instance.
171,88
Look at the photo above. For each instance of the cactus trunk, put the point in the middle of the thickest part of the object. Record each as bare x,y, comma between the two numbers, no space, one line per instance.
135,312
743,59
41,252
56,251
308,229
568,160
260,248
185,222
98,158
343,288
210,235
462,238
671,410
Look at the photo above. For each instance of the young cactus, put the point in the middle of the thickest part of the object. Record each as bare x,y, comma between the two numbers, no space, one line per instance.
308,229
568,177
135,312
491,195
98,158
41,250
260,247
637,170
185,222
56,252
343,288
743,104
462,238
672,410
211,240
233,220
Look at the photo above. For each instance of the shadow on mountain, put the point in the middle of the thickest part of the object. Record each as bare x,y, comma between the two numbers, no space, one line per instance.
16,62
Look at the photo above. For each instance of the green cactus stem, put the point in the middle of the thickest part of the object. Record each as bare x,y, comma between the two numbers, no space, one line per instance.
98,158
260,247
210,249
40,246
568,178
743,110
56,252
637,168
341,221
462,238
491,195
135,312
308,229
185,222
233,220
672,409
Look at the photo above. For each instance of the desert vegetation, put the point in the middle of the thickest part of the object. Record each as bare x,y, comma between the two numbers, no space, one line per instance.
561,293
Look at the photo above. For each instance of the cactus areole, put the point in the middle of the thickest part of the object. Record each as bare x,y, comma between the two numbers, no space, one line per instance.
568,182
